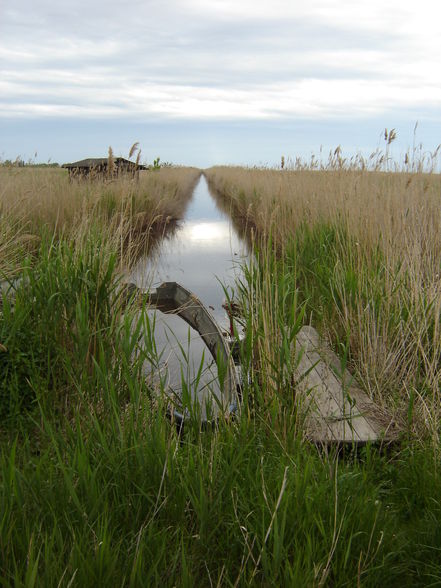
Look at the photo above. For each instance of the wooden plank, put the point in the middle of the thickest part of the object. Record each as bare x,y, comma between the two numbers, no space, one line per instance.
334,408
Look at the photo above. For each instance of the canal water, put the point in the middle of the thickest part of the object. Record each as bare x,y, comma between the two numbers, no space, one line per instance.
204,255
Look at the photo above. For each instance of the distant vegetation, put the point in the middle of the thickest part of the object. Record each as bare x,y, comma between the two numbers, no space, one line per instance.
21,163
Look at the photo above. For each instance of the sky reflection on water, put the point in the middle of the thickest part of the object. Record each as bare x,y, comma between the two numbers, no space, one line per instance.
203,253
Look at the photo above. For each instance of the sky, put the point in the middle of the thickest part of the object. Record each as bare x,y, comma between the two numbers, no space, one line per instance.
204,82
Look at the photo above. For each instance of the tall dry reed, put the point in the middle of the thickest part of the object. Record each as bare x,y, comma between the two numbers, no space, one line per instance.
383,281
125,211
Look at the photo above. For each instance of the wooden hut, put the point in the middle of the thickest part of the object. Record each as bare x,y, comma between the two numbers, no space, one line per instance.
98,168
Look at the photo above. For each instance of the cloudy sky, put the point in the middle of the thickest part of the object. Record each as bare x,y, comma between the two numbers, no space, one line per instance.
216,81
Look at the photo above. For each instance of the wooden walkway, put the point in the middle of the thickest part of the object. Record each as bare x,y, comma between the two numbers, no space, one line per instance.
334,409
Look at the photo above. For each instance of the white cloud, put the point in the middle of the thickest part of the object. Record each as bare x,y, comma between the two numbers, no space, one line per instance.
221,59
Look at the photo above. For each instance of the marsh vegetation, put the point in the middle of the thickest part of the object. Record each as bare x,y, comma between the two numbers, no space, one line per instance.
96,485
126,214
361,250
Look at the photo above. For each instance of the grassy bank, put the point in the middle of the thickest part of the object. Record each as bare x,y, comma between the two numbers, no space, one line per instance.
362,251
127,214
114,498
96,488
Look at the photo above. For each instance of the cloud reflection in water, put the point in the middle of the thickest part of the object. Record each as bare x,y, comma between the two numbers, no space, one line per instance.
203,253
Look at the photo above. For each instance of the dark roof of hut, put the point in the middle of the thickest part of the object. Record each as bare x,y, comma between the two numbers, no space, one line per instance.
92,162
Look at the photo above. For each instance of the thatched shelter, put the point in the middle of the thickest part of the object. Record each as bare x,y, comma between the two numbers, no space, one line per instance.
103,168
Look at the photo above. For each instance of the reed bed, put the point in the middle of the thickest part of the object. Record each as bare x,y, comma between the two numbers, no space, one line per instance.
65,246
97,487
128,214
362,248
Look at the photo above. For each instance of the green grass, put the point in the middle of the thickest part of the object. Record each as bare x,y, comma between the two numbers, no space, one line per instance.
63,306
97,488
100,502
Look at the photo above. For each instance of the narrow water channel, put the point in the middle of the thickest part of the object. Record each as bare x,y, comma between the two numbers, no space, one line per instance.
203,254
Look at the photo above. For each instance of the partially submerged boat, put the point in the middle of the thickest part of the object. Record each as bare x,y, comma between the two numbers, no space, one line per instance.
332,408
172,298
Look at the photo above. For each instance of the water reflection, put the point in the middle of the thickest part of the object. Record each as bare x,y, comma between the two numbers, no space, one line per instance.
243,226
204,252
157,234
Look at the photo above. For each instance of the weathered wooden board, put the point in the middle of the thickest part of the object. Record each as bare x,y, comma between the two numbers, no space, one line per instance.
334,409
